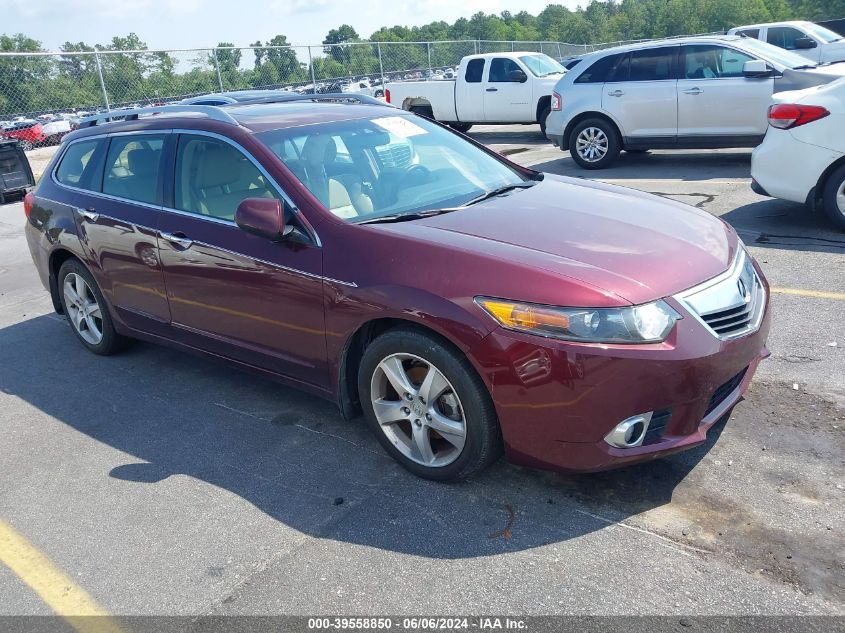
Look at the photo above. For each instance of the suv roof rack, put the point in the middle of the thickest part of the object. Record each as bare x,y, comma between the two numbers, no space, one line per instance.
131,114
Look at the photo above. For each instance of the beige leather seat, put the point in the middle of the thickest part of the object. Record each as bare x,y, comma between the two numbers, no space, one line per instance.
342,195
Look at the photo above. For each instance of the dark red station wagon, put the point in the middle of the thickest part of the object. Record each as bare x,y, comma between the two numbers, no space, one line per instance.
467,305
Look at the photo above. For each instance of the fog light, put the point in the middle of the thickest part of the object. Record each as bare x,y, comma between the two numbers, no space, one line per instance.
629,432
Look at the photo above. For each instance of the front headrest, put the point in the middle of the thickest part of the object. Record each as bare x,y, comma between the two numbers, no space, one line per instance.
142,162
217,166
319,150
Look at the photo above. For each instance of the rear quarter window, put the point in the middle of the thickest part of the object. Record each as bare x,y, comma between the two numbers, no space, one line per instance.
77,167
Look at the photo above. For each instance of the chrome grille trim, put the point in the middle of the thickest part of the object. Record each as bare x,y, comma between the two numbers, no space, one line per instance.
719,305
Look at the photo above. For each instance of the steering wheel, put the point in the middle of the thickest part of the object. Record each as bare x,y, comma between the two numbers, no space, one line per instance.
416,175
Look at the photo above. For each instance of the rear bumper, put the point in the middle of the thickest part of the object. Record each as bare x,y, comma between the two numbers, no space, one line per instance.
556,400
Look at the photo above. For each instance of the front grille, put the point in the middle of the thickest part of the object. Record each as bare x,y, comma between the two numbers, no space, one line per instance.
659,420
732,304
724,391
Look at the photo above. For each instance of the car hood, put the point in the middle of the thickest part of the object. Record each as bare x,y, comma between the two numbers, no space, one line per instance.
636,246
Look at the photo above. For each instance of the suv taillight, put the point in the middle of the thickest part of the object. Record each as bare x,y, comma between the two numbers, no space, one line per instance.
786,116
556,101
28,201
387,95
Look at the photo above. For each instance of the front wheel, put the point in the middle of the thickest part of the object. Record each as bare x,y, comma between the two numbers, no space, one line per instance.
594,144
544,115
427,406
833,197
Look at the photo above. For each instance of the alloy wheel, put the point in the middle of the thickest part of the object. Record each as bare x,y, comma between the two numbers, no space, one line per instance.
83,310
592,144
418,409
840,198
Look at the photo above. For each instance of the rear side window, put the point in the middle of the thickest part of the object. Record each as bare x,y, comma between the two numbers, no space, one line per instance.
501,69
77,167
604,69
753,33
133,167
475,71
213,178
652,64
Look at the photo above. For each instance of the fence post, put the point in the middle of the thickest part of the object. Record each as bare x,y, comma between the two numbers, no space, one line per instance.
380,64
559,56
217,66
428,46
313,74
102,82
475,46
512,46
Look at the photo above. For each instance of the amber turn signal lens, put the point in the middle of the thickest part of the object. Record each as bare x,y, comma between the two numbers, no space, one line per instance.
523,316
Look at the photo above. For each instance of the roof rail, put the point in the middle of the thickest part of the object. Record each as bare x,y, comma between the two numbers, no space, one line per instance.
331,97
131,114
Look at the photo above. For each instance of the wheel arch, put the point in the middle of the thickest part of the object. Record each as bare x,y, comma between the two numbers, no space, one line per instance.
543,103
590,115
815,197
412,102
57,258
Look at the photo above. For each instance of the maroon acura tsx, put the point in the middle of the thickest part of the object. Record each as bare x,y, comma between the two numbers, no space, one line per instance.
467,305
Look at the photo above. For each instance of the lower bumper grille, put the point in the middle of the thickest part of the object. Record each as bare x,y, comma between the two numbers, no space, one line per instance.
724,391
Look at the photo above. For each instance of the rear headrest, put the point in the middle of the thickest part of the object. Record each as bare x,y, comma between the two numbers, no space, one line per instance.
319,150
142,162
217,166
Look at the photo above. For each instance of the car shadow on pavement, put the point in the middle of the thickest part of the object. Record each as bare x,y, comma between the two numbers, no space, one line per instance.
289,454
691,165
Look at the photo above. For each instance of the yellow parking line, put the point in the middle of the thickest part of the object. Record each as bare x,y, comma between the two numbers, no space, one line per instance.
52,585
819,294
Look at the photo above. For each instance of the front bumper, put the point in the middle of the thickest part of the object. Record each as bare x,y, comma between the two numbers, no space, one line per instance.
557,400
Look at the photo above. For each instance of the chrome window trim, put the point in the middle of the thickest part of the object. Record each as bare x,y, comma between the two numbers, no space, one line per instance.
731,274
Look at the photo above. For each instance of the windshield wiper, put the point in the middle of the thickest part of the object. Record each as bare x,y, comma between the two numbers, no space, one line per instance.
498,191
402,217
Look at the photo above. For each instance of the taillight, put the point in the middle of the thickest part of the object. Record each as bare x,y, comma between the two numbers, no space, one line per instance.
387,95
786,116
28,201
556,101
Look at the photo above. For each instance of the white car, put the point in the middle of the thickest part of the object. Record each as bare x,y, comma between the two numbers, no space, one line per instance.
696,92
492,88
815,42
802,158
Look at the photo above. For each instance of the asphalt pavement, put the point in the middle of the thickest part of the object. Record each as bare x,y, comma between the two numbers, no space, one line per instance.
162,483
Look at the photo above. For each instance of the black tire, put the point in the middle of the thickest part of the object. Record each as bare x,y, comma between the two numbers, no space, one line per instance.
611,147
423,111
833,197
542,121
25,145
111,342
636,151
379,93
482,442
463,128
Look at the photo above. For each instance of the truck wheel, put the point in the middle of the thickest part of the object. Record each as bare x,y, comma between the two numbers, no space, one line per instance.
463,128
833,197
594,144
543,116
423,111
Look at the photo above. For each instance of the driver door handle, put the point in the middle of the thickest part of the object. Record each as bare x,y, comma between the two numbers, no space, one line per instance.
693,91
177,238
615,93
492,89
88,214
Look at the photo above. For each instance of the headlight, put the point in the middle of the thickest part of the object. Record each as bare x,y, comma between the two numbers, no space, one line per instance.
647,323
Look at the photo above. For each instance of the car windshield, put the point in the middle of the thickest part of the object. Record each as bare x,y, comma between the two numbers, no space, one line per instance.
542,65
824,34
388,166
771,53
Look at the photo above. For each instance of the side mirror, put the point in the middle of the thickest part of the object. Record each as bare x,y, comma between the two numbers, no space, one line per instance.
517,76
264,217
755,68
804,43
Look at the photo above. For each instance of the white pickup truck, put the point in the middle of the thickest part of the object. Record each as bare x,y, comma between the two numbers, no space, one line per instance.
494,88
813,41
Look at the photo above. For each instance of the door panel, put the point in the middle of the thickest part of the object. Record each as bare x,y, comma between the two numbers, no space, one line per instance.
715,99
244,297
469,91
505,100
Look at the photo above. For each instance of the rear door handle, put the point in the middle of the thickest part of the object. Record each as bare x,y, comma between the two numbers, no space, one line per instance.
615,93
177,238
693,91
88,214
492,90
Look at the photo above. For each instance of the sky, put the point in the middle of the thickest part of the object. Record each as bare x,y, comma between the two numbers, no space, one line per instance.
202,23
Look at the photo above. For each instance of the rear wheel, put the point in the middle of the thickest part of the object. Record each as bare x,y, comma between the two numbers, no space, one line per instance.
427,406
423,111
25,145
833,197
86,310
594,144
463,128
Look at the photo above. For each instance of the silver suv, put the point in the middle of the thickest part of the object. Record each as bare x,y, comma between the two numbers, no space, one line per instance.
696,92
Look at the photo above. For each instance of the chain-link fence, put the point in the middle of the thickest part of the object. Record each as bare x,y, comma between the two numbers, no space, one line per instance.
43,94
